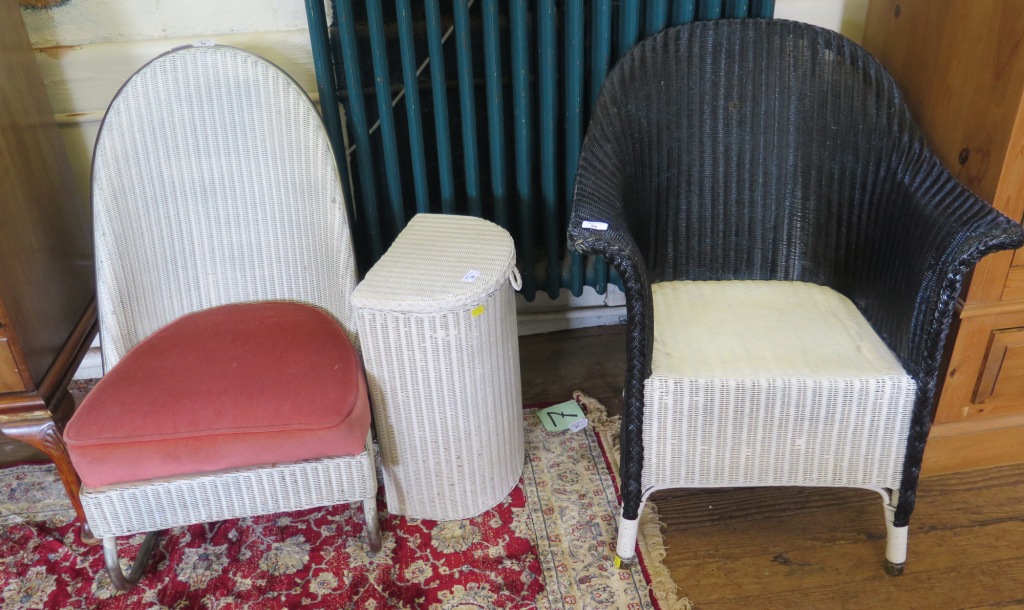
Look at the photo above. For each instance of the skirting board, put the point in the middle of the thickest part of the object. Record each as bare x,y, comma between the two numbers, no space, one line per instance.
547,322
545,315
984,443
542,315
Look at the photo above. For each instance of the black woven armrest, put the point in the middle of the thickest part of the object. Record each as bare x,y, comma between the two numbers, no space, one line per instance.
928,232
598,226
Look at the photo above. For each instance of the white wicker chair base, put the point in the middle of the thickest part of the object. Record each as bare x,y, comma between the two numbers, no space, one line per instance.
122,582
110,558
803,445
779,384
895,541
151,506
148,506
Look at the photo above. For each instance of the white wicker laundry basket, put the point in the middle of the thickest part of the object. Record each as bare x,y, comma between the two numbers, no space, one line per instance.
436,320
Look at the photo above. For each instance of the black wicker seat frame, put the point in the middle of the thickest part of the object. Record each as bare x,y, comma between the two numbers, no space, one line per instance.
774,150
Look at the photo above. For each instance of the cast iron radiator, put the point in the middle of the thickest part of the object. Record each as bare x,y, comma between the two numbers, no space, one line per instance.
478,107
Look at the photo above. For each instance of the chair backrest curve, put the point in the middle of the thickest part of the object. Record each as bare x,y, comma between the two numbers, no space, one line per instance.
213,183
755,149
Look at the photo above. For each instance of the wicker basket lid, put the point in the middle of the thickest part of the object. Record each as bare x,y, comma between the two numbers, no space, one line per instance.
439,262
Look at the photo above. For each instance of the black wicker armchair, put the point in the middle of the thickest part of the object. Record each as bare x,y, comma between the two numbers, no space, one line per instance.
791,253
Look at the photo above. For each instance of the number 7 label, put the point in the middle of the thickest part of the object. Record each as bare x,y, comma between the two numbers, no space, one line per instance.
563,416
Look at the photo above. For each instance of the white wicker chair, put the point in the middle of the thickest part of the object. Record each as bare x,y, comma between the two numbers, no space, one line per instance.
214,183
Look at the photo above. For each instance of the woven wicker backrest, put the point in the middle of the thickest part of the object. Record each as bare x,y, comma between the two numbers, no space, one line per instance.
751,148
214,183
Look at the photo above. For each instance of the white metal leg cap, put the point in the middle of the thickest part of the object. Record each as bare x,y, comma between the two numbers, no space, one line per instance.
895,543
625,547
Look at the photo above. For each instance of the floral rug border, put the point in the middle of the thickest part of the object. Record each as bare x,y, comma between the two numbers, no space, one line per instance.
664,590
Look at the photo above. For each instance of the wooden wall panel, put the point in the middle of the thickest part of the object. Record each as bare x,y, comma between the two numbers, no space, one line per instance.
960,65
46,269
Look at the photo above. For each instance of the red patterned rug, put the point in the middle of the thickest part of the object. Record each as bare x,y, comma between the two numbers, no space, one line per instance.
548,545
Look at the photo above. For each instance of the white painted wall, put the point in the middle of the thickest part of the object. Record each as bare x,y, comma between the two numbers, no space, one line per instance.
88,48
844,16
82,22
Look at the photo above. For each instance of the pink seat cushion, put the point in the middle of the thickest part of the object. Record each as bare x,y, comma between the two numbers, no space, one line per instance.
229,387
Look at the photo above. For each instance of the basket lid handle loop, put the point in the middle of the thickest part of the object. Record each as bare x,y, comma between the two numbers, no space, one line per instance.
515,278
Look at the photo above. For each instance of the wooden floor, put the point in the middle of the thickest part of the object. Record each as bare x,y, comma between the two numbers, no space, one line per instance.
809,548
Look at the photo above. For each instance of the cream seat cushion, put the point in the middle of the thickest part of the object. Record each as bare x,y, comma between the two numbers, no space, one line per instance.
771,383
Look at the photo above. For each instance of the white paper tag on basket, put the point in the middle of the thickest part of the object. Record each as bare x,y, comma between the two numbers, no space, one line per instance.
204,43
596,225
471,276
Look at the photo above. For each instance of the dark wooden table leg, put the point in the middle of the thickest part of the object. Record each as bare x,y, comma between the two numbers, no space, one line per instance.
41,431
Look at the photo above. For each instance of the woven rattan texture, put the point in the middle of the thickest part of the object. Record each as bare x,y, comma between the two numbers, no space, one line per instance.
775,150
735,432
214,183
445,386
444,262
763,330
770,383
156,505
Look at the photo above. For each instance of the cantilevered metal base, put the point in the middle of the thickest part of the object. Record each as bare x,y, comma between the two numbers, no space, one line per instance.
117,577
372,525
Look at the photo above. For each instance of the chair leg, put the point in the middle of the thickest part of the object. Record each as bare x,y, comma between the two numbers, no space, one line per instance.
625,545
373,540
895,540
43,431
117,577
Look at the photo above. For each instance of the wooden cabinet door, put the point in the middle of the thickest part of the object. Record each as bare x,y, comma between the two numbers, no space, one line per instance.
46,268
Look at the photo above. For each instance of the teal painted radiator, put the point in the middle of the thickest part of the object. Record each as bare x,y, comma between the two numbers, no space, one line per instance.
478,107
